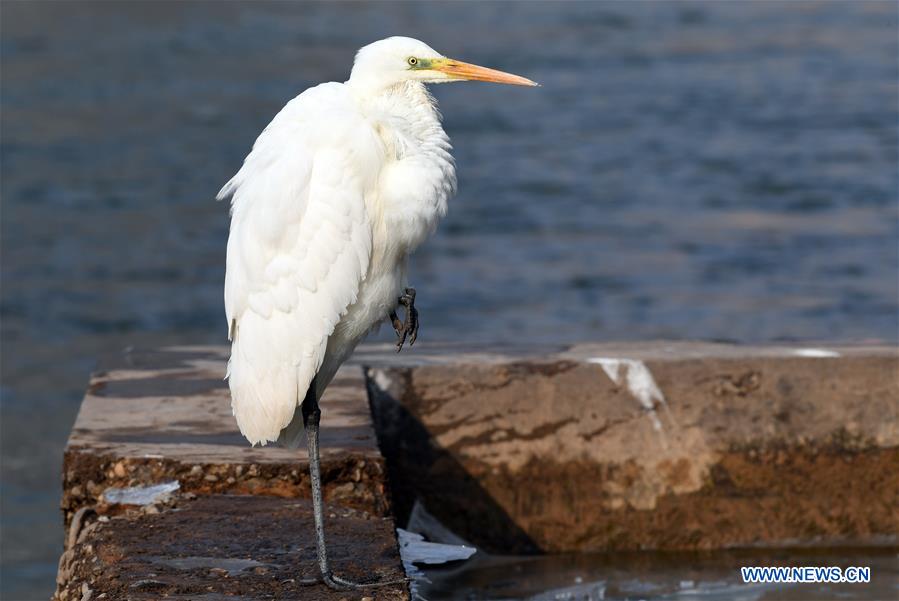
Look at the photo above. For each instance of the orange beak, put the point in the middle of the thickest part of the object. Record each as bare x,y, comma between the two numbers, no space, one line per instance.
459,70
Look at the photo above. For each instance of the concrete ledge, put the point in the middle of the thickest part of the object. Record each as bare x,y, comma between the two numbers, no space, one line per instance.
164,416
644,446
587,447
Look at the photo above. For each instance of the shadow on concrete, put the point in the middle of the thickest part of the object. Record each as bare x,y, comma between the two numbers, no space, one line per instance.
418,468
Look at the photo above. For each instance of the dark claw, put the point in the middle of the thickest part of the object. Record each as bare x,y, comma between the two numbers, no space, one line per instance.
407,329
397,324
413,336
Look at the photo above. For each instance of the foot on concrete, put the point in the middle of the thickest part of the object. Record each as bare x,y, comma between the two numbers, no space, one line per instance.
341,584
407,329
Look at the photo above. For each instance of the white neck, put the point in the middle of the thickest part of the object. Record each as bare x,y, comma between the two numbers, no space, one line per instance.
409,117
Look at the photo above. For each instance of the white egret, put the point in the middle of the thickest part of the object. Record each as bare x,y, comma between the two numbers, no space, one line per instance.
344,183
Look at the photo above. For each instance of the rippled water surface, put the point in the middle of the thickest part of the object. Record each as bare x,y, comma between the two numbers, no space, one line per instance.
687,170
707,576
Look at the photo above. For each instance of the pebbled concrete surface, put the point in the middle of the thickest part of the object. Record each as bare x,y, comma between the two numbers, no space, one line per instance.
228,547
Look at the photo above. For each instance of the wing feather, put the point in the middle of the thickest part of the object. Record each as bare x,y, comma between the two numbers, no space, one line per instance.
298,249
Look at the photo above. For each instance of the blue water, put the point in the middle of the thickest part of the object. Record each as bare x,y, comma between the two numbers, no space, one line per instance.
687,170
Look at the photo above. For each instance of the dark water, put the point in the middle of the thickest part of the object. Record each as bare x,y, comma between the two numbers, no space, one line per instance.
687,170
648,576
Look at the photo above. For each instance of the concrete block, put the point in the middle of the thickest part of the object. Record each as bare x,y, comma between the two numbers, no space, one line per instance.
644,445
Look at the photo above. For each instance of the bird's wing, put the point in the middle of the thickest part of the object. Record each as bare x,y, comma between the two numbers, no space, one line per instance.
298,249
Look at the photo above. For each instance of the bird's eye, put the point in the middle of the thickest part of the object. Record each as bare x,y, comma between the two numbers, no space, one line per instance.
412,61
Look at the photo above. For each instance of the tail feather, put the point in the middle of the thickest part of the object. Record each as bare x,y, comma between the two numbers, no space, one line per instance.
268,376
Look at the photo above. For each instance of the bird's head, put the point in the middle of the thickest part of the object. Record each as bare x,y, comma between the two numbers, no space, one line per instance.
398,59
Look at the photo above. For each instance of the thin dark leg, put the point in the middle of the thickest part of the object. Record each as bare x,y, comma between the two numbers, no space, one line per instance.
311,418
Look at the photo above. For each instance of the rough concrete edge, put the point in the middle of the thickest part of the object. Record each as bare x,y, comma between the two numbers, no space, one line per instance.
353,480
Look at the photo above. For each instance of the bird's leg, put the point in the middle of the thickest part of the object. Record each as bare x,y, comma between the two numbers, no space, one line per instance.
409,327
311,418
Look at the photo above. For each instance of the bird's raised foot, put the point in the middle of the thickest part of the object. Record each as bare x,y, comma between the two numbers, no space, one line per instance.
408,329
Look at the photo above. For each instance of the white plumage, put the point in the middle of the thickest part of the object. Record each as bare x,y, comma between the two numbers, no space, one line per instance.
344,183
